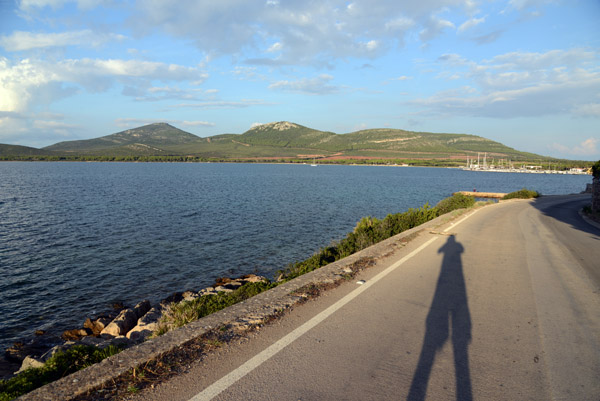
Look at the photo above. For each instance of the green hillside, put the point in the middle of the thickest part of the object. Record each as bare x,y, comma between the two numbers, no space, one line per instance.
17,150
149,139
275,141
286,134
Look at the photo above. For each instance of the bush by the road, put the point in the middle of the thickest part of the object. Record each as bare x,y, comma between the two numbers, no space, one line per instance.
596,169
522,194
370,230
458,201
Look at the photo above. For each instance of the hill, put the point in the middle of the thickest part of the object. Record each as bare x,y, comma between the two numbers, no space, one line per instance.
18,150
281,141
150,139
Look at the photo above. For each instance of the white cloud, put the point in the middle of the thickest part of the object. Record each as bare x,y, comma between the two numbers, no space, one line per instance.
40,81
299,33
519,84
587,110
136,122
19,40
313,86
523,4
471,23
533,61
197,123
218,104
434,28
586,148
275,47
402,78
35,129
31,6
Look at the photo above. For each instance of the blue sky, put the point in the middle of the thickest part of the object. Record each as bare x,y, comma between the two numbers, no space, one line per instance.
522,72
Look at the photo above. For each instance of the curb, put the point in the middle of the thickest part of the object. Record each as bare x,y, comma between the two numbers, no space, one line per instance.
588,220
266,304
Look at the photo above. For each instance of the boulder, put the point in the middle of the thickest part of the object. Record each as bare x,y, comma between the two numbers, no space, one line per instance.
125,321
141,308
120,341
207,291
29,363
92,341
222,281
221,288
96,326
146,325
75,334
233,285
189,296
253,278
58,348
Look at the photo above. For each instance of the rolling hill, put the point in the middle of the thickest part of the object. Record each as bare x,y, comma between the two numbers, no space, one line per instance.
8,150
279,140
149,139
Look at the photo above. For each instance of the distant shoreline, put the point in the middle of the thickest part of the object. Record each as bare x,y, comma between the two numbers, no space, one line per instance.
348,162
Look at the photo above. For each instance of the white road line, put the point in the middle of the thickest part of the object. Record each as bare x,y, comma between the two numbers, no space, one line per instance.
228,380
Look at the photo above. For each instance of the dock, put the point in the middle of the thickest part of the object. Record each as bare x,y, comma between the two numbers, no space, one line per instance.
492,195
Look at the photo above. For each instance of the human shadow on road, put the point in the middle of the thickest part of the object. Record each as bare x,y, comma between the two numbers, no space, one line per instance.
449,310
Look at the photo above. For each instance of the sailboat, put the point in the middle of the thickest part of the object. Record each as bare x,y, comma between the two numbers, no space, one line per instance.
314,164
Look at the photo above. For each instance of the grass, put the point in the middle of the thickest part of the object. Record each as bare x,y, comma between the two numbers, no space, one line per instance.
62,364
522,194
179,314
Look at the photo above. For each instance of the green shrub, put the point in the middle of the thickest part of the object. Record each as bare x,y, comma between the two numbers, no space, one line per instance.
522,194
457,201
368,231
596,169
61,364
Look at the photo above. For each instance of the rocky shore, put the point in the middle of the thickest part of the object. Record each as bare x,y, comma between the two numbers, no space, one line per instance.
123,327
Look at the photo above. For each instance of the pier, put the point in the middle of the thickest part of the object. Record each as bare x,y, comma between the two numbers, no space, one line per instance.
490,195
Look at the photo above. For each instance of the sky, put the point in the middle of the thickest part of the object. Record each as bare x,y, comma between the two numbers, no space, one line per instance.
525,73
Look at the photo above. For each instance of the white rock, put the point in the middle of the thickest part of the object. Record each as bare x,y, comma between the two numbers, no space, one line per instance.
126,320
29,363
146,325
189,296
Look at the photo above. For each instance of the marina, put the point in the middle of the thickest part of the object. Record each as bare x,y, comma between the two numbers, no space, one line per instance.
507,166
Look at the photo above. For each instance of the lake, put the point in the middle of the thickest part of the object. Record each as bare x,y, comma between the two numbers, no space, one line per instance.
76,237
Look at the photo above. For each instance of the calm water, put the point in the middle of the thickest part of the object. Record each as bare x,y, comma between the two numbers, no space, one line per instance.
75,237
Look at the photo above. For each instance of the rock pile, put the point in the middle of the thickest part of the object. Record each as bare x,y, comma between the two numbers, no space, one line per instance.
127,327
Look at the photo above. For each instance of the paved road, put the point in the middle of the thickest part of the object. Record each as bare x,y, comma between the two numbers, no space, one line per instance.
508,308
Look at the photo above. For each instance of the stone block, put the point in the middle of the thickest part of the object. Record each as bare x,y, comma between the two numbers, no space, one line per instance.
125,321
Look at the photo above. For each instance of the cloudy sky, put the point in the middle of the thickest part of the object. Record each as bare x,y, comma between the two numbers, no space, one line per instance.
522,72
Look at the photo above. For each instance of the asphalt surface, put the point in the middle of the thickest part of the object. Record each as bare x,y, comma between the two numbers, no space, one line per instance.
506,308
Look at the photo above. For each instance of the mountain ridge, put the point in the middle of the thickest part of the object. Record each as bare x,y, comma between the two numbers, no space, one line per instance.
285,140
